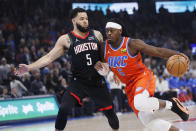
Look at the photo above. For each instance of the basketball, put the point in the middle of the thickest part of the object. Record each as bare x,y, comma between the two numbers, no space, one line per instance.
177,65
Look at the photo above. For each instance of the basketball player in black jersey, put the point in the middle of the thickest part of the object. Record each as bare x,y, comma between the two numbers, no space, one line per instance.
83,49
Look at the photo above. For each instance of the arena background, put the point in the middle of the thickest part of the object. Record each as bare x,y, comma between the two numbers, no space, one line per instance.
30,28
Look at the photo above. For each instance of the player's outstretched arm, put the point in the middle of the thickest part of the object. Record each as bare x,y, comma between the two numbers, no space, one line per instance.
56,52
140,45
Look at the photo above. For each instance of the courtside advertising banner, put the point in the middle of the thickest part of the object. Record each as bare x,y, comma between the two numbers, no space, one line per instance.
30,108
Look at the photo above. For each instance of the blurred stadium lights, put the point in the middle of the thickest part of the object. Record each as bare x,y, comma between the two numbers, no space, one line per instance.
117,7
176,6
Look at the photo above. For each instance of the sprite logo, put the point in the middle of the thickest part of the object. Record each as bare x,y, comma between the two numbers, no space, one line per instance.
9,110
28,108
45,107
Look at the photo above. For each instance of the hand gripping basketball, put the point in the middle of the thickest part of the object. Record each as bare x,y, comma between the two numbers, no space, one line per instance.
187,59
177,65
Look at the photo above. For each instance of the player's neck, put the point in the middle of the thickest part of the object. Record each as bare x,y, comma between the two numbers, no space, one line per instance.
78,32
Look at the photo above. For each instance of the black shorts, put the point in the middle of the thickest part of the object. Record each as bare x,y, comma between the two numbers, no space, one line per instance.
95,88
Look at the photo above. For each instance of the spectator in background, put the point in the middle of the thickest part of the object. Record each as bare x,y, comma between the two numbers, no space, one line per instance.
182,94
12,68
173,82
11,43
17,88
147,62
56,77
27,55
193,69
41,52
1,92
162,90
9,75
4,70
116,92
3,45
51,85
162,86
189,98
33,53
65,72
20,57
64,84
26,79
194,89
37,85
6,94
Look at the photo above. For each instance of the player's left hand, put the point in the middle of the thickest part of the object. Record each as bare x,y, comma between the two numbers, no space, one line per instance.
22,69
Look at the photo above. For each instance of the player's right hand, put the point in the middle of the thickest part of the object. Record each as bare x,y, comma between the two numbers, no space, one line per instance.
187,59
22,68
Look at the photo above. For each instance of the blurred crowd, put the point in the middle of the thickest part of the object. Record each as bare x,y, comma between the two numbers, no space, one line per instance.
29,29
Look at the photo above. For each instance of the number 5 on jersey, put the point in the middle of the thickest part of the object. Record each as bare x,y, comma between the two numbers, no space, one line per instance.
89,60
120,72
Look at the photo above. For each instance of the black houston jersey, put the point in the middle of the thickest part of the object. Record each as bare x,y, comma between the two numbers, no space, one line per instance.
83,54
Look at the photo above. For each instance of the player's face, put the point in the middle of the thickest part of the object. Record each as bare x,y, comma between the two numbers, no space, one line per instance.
113,34
81,21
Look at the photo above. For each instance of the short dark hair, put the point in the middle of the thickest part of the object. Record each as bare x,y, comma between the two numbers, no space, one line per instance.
118,21
75,12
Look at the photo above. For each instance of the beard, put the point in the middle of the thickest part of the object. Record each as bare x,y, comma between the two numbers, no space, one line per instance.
82,29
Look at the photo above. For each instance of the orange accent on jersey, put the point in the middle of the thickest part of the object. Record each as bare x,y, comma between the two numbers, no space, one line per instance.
125,66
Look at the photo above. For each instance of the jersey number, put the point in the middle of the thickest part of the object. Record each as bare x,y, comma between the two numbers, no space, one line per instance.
89,60
120,72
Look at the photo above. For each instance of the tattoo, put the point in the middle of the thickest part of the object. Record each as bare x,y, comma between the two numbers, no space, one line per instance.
99,36
66,42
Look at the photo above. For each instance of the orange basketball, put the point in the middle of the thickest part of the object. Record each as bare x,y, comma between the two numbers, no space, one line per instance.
177,65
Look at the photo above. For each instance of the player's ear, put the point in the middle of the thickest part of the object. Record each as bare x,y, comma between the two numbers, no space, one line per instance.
73,20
